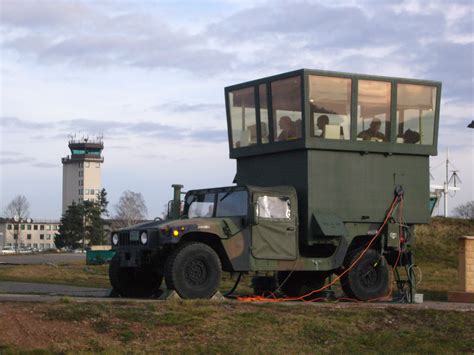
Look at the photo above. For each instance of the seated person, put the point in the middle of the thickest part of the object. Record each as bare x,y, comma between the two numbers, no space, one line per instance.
288,129
372,133
411,137
323,120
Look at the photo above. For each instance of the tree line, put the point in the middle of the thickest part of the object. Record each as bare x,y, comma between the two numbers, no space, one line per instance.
84,223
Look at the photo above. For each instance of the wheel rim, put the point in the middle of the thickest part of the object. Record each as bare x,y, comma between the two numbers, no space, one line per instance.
196,272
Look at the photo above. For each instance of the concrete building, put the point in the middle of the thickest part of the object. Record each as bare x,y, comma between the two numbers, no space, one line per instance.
81,171
37,235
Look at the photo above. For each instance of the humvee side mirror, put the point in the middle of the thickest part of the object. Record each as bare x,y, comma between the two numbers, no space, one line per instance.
253,214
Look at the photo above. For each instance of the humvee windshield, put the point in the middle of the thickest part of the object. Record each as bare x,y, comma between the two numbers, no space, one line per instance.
227,203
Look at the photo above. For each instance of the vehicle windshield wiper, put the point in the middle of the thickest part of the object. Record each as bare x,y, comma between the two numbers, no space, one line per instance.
231,190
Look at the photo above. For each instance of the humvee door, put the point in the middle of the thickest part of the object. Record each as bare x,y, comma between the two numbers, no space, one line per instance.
274,235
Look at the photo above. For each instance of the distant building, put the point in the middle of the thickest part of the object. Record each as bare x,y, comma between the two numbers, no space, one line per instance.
81,171
37,234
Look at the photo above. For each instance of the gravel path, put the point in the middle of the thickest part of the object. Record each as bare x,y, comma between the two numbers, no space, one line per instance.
10,287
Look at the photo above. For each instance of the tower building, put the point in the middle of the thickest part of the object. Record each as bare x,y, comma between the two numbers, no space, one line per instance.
81,171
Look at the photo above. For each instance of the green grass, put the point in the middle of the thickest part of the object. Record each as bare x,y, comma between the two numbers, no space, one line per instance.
436,253
74,274
235,328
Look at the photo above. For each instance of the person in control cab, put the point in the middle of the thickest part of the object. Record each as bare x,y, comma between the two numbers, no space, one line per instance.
323,120
372,133
288,129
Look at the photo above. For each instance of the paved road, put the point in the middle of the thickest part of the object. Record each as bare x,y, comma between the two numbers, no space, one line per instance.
41,258
10,287
441,306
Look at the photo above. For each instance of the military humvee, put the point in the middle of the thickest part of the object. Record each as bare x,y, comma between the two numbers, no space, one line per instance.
332,176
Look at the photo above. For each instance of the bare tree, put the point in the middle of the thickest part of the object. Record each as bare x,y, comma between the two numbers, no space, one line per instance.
19,207
465,211
19,210
131,208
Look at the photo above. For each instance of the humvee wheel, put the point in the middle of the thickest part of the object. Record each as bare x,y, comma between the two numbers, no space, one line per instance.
300,283
193,271
369,279
134,282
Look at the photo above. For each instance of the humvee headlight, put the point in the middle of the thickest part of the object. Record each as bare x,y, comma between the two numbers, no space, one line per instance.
115,239
144,238
175,233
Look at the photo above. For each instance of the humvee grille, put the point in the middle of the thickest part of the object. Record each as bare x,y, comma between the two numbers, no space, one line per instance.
124,239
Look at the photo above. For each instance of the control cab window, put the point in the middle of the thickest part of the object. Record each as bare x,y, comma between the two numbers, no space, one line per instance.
416,106
330,107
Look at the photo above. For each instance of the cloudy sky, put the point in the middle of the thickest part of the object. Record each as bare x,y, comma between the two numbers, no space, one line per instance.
149,76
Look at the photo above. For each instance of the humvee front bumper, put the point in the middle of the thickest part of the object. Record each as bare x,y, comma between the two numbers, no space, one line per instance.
137,256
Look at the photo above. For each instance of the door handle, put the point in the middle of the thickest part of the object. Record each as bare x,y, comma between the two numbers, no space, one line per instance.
291,229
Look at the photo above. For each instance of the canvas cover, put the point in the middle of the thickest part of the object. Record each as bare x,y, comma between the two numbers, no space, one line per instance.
274,237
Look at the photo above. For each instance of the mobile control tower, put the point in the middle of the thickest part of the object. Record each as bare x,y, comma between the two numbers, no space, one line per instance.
332,175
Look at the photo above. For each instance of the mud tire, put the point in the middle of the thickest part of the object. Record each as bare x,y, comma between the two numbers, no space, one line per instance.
369,279
194,271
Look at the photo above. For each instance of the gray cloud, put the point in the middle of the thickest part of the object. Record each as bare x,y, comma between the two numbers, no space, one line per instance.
8,157
45,165
374,38
276,36
44,14
14,122
144,129
86,34
182,107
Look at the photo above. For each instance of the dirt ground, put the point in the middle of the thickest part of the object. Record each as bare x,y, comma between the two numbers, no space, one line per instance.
68,325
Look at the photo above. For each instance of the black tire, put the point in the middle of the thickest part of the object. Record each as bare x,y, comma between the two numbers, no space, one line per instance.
369,279
193,271
134,282
300,283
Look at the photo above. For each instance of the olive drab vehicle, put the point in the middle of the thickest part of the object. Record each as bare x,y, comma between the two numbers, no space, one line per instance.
332,175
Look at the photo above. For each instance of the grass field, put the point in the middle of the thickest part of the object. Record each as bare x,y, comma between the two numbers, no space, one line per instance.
76,274
231,328
436,253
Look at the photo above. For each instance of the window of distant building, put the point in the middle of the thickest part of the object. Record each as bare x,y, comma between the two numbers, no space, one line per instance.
28,227
41,236
35,227
9,227
42,227
22,227
28,236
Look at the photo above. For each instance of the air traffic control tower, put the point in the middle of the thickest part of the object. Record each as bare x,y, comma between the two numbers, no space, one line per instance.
81,171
